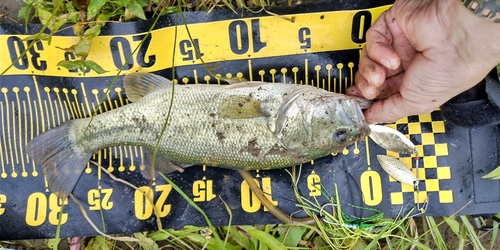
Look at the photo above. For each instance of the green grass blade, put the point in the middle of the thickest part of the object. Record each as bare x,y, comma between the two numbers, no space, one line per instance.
453,224
267,239
193,204
228,209
436,235
293,236
494,234
476,242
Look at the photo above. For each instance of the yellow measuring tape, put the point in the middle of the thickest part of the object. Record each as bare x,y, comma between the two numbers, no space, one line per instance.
248,38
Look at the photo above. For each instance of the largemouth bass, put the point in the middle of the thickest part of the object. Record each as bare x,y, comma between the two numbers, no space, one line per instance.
245,126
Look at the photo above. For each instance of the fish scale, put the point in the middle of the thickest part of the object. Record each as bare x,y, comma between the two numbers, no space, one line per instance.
249,125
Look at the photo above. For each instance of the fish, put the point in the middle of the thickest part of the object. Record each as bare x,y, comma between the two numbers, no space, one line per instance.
242,126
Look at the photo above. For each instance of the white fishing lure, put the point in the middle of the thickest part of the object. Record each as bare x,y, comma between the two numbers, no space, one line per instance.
391,139
397,170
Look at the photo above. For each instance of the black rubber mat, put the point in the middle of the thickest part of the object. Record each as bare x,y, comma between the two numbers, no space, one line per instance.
313,44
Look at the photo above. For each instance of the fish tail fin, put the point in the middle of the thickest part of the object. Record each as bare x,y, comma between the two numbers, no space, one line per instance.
62,161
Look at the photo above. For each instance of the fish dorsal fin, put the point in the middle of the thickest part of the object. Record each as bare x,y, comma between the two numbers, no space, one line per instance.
138,85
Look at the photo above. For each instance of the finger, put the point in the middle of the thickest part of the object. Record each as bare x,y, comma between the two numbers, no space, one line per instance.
418,93
394,108
379,43
368,90
371,71
401,44
391,86
364,89
354,91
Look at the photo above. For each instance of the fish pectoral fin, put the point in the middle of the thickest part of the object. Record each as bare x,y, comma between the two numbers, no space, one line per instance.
138,85
240,107
161,164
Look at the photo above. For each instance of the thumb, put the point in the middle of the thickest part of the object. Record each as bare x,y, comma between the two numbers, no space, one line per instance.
423,89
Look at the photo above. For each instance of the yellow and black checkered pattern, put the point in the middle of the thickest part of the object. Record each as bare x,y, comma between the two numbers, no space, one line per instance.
423,131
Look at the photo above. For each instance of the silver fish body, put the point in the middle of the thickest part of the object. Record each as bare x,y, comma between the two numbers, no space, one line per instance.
250,125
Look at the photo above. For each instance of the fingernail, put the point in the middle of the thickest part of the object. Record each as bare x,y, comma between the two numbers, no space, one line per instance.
371,92
389,63
386,62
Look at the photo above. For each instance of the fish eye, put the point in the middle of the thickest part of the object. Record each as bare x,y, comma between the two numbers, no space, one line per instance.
340,136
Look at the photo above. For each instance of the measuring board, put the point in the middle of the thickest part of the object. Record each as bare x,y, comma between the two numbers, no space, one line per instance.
313,44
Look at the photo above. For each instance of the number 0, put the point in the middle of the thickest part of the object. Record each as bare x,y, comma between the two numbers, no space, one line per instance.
361,22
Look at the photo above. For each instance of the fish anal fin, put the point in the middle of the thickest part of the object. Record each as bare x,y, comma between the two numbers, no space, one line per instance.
161,164
138,85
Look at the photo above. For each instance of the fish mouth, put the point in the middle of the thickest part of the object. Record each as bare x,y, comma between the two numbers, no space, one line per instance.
362,121
353,116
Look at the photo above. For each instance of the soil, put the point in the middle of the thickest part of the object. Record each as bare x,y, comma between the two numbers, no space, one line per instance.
9,10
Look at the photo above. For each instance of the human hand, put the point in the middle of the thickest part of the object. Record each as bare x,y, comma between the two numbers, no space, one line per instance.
419,54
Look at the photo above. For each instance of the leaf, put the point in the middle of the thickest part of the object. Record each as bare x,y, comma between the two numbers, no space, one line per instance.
145,242
38,36
25,12
494,234
267,239
71,9
240,238
104,16
59,21
159,235
71,65
471,232
94,8
97,243
168,10
360,245
193,204
294,236
495,174
143,3
436,235
53,243
82,48
135,10
44,16
78,28
319,242
94,66
93,31
453,224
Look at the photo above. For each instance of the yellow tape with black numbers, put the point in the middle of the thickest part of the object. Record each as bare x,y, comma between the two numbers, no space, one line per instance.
217,41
